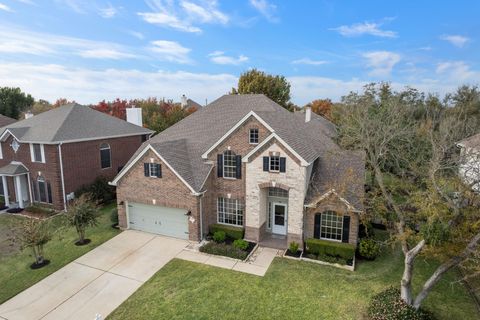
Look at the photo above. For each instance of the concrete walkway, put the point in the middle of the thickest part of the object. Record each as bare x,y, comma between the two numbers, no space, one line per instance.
257,264
96,283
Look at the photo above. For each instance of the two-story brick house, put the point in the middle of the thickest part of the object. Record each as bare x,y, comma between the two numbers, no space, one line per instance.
245,161
47,157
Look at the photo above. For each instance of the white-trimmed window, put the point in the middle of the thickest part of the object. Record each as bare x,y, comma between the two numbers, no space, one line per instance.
1,151
229,164
253,136
42,190
230,211
105,156
331,226
152,170
275,163
37,152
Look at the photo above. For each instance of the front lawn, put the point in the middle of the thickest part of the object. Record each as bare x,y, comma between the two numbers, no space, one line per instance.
15,272
289,290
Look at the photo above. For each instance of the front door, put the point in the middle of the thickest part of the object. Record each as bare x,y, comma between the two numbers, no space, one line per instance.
279,218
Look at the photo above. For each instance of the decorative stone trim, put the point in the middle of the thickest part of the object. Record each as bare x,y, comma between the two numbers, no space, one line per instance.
273,184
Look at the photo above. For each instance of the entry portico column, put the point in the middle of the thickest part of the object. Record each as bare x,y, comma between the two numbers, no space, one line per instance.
19,192
5,191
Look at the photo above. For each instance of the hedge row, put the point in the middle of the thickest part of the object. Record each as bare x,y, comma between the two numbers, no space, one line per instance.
230,231
222,249
334,249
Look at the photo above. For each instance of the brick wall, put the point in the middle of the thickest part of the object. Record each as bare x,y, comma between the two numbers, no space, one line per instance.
168,191
333,205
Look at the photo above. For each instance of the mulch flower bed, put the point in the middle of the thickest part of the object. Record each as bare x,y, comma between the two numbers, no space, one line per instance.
297,254
227,249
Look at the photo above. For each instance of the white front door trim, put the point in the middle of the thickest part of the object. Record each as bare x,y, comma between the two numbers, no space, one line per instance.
279,228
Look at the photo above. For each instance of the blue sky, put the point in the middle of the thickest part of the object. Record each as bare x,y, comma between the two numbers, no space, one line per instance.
90,50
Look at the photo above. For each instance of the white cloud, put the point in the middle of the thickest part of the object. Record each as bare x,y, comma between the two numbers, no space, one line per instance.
359,29
51,81
4,7
456,40
170,51
136,34
267,9
381,62
108,12
183,16
309,61
219,57
457,71
14,40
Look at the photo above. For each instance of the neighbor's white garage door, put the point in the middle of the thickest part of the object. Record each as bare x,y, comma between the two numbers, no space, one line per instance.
171,222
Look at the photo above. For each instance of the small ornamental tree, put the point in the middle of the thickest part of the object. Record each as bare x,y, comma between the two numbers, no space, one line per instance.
35,234
82,213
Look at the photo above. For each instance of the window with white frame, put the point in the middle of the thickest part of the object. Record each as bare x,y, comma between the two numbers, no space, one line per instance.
253,137
331,226
42,191
37,152
154,169
230,211
105,156
275,163
229,164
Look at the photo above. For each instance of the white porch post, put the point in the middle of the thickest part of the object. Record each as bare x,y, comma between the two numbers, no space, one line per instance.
5,191
19,192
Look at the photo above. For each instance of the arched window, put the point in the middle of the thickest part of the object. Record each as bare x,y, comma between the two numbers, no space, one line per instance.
229,164
105,156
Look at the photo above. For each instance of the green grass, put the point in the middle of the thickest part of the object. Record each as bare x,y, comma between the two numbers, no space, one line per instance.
15,272
289,290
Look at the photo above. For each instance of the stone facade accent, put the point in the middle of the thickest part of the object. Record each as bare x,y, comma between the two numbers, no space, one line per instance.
167,191
81,163
333,204
256,196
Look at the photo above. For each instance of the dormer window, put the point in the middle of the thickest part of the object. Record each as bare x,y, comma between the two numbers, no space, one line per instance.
253,137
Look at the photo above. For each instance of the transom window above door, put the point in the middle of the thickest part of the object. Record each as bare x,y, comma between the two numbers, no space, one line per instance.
253,137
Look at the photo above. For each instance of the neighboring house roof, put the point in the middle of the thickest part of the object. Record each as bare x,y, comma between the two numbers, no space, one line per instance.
4,120
191,104
70,123
183,144
341,173
471,142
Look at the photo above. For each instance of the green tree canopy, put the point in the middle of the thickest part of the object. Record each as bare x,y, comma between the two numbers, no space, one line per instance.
13,101
275,87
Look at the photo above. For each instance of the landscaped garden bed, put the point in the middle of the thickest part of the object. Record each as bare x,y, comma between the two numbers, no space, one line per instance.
228,241
38,211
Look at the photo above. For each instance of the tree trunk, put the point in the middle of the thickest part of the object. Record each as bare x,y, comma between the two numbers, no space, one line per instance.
437,275
82,235
406,282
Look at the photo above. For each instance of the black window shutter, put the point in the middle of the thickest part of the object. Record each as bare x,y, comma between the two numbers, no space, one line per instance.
159,170
265,163
146,169
346,228
316,228
283,164
238,163
49,192
219,165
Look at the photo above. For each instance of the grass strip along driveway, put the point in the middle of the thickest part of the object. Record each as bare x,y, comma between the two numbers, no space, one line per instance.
15,272
289,290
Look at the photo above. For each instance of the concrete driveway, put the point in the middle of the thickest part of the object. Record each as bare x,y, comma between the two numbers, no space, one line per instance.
96,283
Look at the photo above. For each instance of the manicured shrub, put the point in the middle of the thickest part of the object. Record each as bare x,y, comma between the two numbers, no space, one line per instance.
230,231
240,244
330,248
293,247
114,216
100,191
219,236
369,248
387,305
223,249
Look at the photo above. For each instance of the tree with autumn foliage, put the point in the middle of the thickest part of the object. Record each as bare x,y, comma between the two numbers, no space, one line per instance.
322,107
116,108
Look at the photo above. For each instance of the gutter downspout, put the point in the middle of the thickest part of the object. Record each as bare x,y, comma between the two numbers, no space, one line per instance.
200,195
61,176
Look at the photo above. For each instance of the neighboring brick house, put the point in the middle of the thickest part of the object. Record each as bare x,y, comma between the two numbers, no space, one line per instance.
245,161
47,157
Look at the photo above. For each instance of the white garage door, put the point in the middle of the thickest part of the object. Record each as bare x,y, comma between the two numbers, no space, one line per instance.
171,222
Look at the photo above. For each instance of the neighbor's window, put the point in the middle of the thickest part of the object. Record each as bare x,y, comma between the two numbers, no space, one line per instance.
253,136
229,164
331,226
230,211
274,163
37,153
105,156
